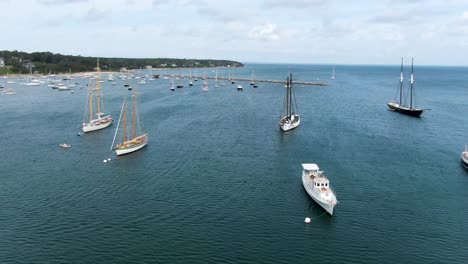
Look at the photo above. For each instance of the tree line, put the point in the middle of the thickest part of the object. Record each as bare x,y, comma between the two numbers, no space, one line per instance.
45,62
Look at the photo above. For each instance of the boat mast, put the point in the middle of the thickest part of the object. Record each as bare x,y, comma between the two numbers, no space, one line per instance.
90,102
134,116
287,96
98,90
401,81
118,124
124,122
290,93
411,82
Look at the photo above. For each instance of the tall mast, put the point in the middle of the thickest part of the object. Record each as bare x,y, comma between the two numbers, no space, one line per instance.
134,116
290,93
287,96
401,80
216,78
125,122
98,90
411,82
90,89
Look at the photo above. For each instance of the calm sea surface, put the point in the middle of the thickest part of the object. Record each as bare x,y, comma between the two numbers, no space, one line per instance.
219,183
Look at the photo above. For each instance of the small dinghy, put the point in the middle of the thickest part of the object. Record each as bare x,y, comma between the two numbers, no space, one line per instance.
64,145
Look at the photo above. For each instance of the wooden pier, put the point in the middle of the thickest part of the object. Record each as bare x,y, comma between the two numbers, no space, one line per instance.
245,80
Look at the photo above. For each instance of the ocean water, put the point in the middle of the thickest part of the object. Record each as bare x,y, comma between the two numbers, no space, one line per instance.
219,183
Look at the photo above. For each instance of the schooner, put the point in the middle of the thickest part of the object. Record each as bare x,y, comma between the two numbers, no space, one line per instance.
96,119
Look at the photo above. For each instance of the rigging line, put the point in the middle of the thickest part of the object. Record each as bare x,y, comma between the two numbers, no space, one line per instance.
87,101
118,124
295,101
318,216
283,112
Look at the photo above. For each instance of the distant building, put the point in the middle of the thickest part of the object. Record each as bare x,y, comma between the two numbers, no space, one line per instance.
2,62
29,65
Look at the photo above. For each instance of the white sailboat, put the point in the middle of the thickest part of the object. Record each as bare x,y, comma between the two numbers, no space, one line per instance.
318,187
190,77
252,81
216,78
136,140
100,121
172,84
31,80
205,83
333,73
290,119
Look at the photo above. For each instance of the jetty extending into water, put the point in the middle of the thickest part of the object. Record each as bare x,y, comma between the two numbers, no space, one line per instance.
247,80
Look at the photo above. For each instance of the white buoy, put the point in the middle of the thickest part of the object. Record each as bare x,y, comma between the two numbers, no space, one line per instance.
104,161
108,159
307,220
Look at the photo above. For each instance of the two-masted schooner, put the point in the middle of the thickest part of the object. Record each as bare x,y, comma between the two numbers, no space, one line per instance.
131,140
290,119
399,106
95,120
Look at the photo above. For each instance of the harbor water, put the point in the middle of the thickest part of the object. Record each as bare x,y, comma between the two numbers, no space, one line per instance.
219,182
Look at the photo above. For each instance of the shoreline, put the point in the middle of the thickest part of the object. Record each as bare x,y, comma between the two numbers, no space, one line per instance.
86,73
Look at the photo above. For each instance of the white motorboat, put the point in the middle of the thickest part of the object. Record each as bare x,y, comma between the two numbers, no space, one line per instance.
464,157
64,145
318,187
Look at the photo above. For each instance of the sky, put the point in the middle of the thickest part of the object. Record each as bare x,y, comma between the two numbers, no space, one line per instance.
434,32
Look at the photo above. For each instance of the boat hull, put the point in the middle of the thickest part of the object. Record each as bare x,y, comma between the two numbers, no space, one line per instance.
308,187
287,125
405,110
123,151
464,159
93,126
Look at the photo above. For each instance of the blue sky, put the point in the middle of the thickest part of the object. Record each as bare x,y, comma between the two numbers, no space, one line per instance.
284,31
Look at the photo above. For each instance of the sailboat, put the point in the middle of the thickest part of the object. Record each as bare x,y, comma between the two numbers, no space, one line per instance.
190,78
172,84
205,83
216,78
101,121
135,141
31,80
289,118
399,106
231,78
179,82
252,81
333,73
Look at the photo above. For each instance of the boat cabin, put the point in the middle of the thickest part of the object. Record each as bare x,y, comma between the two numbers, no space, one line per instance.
310,169
322,183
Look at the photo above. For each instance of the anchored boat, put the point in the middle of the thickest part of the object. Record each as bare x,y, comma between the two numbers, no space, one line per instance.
464,158
290,119
399,106
318,187
100,121
130,142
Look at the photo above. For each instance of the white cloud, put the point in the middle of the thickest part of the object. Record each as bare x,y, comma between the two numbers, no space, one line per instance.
264,32
60,2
